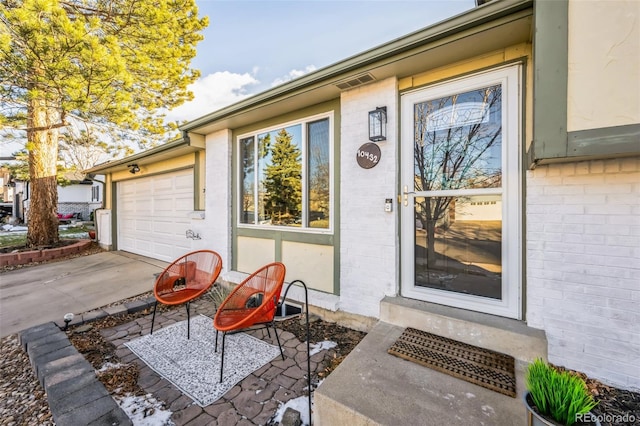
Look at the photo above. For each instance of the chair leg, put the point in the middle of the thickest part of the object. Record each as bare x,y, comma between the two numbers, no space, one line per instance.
188,322
216,346
153,318
222,356
277,338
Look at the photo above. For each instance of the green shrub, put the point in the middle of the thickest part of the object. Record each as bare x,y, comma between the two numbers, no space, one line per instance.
560,395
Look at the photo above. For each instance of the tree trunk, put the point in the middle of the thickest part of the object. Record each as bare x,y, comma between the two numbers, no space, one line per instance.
431,243
42,137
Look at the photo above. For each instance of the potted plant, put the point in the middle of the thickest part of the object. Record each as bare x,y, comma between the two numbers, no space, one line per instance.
555,397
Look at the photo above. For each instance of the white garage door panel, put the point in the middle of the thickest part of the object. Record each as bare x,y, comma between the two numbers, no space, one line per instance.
153,215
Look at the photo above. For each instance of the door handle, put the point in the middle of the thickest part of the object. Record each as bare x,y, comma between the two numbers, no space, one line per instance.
406,195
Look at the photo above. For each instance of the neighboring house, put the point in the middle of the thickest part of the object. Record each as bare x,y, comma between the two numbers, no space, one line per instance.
80,198
534,224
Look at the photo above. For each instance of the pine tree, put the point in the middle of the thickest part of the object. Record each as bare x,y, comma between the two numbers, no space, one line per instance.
283,180
111,61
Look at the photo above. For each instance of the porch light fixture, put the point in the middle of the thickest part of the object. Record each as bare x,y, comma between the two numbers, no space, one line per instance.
133,168
378,124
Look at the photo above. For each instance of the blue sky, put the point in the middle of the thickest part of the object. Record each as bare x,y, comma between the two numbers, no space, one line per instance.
251,46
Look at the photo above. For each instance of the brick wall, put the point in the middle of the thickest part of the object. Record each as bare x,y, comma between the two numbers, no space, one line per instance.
583,265
367,233
217,230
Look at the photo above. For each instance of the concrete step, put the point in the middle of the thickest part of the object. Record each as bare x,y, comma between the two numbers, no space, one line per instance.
372,387
500,334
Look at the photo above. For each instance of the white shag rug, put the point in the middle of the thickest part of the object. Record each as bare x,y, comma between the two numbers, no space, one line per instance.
193,366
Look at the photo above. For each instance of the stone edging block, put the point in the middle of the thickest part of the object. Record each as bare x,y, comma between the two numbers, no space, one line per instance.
74,393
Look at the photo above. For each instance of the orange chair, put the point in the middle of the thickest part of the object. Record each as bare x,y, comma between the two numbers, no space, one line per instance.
186,279
252,302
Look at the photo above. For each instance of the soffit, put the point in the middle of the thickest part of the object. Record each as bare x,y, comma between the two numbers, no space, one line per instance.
164,152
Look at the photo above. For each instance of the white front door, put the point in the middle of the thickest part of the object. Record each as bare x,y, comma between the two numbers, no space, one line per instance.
461,181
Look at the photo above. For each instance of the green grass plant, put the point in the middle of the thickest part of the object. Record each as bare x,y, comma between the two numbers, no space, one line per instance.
218,292
560,395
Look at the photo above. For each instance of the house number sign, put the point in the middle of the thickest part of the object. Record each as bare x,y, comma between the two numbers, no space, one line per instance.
368,155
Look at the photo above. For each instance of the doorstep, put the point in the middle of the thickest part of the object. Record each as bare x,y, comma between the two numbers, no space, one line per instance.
372,387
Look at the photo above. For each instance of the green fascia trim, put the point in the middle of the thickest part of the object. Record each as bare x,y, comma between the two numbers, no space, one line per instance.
449,27
550,52
290,234
606,141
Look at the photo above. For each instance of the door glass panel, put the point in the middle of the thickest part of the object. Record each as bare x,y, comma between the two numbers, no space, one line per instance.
458,141
460,250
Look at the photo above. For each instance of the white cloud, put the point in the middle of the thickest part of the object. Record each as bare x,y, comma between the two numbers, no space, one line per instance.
212,92
292,75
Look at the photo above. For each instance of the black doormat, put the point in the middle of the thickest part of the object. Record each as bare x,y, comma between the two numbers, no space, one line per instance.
484,367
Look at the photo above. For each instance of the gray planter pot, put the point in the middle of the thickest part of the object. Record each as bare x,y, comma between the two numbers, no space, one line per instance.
535,419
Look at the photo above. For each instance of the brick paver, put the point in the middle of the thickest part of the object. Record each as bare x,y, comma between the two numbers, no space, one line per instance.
253,401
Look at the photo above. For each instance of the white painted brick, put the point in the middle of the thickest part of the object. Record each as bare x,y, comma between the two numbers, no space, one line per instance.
368,235
596,166
566,169
587,294
614,187
598,199
631,164
619,251
612,166
623,237
595,180
587,219
583,168
218,196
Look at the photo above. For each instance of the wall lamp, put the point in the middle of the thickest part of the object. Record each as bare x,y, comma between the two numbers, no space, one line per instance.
378,124
133,168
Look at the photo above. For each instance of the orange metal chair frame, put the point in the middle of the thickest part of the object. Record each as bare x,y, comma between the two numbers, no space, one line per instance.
186,279
253,302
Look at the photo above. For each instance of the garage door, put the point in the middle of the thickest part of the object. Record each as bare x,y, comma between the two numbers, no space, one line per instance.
153,215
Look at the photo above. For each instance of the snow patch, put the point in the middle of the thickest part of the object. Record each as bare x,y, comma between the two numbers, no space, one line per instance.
300,404
317,347
145,410
110,366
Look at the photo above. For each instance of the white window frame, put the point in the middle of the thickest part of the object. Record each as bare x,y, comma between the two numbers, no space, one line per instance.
305,161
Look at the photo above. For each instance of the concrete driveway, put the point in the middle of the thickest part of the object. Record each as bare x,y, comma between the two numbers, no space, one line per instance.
46,292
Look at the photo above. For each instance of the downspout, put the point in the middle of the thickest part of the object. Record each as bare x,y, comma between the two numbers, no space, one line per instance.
95,216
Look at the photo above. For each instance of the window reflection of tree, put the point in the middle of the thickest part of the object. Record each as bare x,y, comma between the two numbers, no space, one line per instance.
247,155
455,157
319,173
283,182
